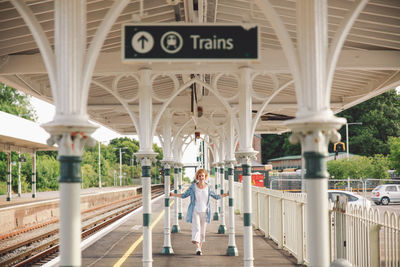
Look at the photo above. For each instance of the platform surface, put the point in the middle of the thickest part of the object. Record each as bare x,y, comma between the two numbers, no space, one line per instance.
112,247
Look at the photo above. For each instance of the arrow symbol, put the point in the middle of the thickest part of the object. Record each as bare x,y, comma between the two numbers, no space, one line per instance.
143,39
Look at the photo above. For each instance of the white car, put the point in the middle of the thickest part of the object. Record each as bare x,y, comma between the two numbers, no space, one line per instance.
386,193
351,198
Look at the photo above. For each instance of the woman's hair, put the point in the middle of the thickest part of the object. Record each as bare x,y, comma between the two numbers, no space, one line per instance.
200,171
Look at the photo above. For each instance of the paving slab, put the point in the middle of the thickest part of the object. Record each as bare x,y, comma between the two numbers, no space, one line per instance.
109,249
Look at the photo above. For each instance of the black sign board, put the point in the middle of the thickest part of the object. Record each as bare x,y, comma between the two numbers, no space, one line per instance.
184,42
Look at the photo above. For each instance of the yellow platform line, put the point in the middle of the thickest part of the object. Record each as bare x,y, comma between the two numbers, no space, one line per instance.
137,242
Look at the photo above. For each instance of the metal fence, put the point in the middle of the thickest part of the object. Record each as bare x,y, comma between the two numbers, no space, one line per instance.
364,237
358,185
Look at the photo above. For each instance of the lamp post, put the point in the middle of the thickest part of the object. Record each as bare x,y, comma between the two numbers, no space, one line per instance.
347,136
99,167
120,163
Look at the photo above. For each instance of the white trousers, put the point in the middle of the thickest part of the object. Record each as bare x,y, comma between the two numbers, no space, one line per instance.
199,224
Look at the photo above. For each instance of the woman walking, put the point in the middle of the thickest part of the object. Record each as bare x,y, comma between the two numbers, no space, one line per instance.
199,210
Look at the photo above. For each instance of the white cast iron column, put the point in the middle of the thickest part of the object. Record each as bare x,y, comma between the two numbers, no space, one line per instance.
232,249
19,174
229,162
222,226
34,174
167,161
175,226
245,154
9,177
146,155
216,173
314,125
167,249
180,215
70,128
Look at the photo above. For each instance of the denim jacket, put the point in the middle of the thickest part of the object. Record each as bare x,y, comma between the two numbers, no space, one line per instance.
191,192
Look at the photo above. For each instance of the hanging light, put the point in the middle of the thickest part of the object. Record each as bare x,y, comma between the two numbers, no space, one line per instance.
199,111
197,135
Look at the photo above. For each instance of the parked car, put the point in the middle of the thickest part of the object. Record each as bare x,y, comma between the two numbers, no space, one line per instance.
352,198
386,193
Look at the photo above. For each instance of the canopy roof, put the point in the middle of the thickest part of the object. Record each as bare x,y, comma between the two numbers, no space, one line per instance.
18,134
368,65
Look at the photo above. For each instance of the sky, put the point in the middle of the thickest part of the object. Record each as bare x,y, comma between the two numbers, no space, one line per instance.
45,113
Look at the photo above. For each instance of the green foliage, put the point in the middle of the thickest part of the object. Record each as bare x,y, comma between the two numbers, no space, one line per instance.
129,147
48,171
360,167
394,156
275,146
3,188
380,117
89,177
14,102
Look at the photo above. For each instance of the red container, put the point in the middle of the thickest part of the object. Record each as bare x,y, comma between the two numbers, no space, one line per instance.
256,179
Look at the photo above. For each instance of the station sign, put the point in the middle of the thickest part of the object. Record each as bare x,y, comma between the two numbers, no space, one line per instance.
190,42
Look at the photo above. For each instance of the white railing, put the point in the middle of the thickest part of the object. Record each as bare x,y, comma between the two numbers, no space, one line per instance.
280,215
363,237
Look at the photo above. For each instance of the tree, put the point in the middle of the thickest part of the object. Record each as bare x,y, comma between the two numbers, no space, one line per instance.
275,146
14,102
360,167
394,156
380,117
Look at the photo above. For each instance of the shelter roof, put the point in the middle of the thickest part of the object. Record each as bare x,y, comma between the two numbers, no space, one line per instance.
369,62
18,134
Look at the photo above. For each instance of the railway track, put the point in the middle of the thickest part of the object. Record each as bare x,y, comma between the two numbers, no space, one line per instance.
44,247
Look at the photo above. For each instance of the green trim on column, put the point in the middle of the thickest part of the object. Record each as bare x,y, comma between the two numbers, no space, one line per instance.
221,229
246,170
230,202
175,191
167,172
166,202
216,216
175,229
70,169
8,183
230,171
180,169
146,219
315,165
232,251
8,199
221,170
33,195
180,216
222,191
167,251
145,171
247,219
33,182
179,186
176,170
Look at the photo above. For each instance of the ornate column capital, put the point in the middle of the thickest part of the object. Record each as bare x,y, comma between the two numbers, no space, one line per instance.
70,143
146,158
230,162
245,157
167,163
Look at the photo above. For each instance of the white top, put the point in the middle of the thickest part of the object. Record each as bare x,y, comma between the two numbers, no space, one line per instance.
200,204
